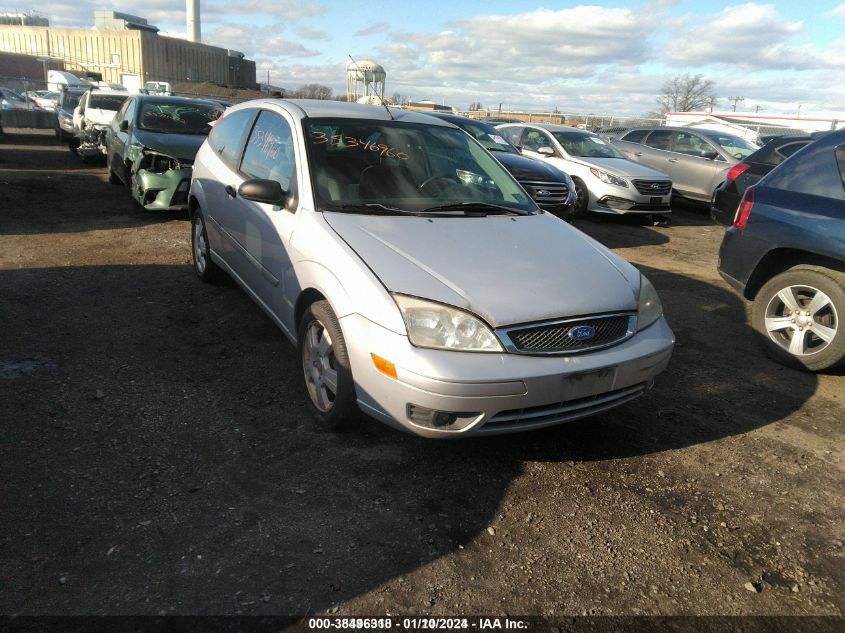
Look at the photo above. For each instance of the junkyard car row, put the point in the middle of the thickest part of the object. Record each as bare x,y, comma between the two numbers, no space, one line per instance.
421,282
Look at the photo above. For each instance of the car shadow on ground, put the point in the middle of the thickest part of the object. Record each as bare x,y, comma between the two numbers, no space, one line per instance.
158,454
92,203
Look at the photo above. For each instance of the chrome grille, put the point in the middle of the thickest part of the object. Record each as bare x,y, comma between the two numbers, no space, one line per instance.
556,337
653,187
546,192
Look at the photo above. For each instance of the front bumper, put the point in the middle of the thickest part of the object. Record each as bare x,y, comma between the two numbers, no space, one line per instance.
611,199
498,393
162,191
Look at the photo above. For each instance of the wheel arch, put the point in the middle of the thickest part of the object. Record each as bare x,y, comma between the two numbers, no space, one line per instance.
780,260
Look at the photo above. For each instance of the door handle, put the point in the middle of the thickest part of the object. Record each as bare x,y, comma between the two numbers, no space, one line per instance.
672,160
230,191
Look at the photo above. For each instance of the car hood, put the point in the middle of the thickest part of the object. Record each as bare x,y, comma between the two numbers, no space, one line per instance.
505,269
98,116
625,167
524,168
176,145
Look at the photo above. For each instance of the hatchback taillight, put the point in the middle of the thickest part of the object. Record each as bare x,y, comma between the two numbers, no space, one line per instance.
736,170
744,209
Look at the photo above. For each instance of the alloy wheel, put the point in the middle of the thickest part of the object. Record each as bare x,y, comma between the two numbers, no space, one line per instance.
200,246
801,319
320,366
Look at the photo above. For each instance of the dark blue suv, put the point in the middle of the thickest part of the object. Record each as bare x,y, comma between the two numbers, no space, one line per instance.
786,252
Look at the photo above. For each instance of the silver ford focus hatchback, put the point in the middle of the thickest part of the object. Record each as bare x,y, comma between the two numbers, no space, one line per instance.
418,280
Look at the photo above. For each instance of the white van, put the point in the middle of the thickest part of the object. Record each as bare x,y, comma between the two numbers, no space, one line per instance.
157,88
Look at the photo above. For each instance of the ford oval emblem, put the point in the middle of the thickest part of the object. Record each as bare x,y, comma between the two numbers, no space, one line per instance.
582,333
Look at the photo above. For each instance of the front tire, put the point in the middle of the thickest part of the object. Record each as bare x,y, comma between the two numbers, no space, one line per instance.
582,200
800,316
325,367
204,267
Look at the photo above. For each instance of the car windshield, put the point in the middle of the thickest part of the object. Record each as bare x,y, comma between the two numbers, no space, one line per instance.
733,145
487,135
178,118
71,100
586,145
107,102
370,166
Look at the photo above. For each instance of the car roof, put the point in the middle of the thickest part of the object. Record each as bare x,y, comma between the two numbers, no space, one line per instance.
176,99
553,127
109,91
319,109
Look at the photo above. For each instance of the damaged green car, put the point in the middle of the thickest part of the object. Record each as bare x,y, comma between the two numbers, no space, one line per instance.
151,144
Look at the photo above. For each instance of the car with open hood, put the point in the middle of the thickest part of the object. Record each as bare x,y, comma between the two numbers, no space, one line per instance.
418,280
151,144
606,182
92,116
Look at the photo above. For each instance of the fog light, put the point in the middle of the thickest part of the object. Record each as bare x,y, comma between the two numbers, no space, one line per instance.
442,420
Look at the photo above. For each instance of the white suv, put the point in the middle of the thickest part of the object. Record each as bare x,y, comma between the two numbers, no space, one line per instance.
606,182
92,116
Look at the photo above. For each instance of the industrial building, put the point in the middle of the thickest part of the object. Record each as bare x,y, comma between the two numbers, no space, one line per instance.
125,49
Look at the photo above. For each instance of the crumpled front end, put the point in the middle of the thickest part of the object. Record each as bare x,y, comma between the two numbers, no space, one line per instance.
161,182
92,143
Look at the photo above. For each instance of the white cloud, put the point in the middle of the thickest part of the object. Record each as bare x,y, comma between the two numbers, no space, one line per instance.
373,29
749,36
838,12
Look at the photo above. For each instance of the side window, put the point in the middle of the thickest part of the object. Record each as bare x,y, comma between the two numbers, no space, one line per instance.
686,143
789,149
534,139
227,136
635,136
269,151
128,112
660,139
511,134
840,160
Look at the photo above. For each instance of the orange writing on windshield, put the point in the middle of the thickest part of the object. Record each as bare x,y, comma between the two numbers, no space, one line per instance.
350,142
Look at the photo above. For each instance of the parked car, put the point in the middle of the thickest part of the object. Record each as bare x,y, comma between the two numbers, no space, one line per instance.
46,100
151,144
695,159
415,275
13,100
785,252
92,116
65,105
604,180
551,188
748,172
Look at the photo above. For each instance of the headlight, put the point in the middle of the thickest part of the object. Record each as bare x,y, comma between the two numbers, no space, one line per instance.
609,178
649,308
439,326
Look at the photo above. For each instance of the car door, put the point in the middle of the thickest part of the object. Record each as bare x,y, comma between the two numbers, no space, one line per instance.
119,140
695,165
264,230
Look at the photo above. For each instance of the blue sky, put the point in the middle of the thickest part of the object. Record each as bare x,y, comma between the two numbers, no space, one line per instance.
592,57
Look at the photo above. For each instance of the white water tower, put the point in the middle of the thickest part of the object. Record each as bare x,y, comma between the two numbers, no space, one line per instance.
365,82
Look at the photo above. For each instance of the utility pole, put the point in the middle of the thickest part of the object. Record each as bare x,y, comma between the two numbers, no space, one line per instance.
735,100
756,109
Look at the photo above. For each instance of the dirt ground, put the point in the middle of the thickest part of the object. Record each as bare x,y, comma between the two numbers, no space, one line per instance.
156,456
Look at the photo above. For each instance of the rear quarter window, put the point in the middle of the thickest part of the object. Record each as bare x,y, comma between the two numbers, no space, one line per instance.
840,162
816,171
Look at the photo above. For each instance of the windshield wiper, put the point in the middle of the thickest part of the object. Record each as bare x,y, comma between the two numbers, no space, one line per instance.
375,208
477,208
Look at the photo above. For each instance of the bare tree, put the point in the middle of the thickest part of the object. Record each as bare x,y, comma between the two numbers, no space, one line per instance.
476,105
685,93
313,91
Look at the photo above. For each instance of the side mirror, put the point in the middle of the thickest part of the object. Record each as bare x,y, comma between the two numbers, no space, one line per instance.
546,151
711,155
260,190
124,125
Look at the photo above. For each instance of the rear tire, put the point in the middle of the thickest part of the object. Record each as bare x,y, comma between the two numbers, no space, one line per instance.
326,370
204,267
800,317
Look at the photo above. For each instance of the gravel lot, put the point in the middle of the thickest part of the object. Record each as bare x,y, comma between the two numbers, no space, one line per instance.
157,458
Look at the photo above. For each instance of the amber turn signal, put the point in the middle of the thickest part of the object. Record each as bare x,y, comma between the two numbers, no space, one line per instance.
384,366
